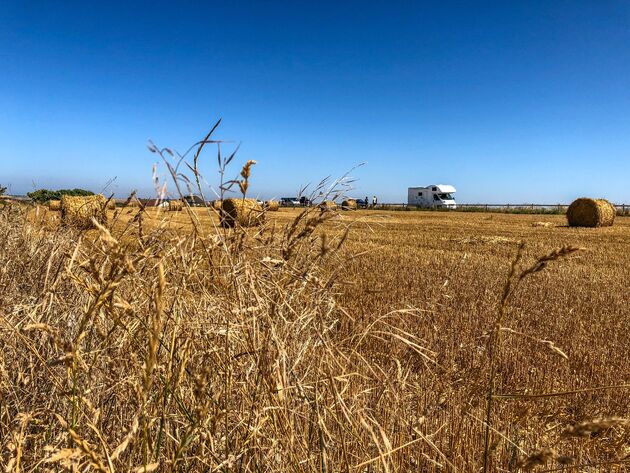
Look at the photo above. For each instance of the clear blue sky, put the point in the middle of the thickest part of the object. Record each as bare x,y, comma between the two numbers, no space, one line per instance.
508,101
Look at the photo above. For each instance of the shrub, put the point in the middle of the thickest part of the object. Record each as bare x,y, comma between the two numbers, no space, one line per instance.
42,196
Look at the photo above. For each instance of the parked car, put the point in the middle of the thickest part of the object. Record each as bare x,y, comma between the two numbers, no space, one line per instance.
362,203
194,201
289,202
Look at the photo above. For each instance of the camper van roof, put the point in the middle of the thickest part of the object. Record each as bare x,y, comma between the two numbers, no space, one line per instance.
443,188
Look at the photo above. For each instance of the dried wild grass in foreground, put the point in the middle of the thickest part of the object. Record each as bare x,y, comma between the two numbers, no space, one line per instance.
222,351
234,351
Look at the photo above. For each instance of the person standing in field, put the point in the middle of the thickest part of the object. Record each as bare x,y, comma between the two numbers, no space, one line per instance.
374,201
366,202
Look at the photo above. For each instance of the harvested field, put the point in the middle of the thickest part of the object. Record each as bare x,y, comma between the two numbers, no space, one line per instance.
213,350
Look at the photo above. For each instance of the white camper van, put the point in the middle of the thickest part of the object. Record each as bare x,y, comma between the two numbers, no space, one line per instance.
436,196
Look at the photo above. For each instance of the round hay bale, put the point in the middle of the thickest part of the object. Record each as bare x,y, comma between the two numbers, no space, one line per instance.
585,212
54,205
78,211
111,204
175,205
242,212
272,205
349,204
328,206
216,204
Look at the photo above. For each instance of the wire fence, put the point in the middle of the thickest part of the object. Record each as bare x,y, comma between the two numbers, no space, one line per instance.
622,209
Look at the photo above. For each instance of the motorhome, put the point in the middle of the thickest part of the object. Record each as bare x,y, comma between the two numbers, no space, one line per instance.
435,196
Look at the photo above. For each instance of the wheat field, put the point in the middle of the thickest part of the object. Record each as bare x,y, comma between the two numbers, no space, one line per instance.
340,341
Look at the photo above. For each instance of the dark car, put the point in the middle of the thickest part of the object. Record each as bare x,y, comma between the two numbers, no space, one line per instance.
362,203
194,201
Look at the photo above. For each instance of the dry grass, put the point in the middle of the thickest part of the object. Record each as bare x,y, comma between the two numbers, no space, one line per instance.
182,346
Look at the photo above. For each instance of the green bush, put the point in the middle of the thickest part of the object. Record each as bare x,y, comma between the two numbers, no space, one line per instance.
44,195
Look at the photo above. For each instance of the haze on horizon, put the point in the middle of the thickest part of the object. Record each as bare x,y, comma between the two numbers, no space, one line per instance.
508,101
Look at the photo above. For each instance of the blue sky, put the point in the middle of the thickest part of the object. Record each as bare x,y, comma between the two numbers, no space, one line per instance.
508,101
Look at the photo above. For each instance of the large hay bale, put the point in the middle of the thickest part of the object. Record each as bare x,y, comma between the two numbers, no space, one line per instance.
78,211
272,205
349,204
243,212
328,205
54,205
111,204
175,205
216,204
585,212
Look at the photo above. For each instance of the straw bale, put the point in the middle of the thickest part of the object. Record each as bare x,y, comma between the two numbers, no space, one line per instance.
78,211
272,205
175,205
349,204
328,205
54,205
585,212
242,212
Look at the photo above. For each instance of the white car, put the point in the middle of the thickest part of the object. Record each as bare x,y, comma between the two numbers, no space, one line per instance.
289,202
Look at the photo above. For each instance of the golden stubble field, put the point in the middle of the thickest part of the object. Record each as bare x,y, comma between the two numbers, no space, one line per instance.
253,351
449,269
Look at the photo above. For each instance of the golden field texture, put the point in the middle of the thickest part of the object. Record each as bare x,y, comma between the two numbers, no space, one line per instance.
54,205
362,341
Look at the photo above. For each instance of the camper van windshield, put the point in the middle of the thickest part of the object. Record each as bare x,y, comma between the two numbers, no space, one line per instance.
446,196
